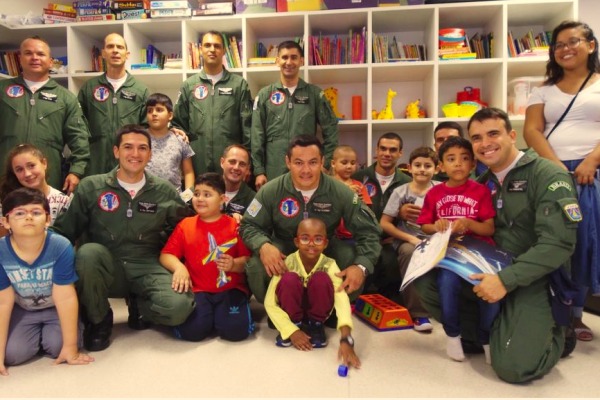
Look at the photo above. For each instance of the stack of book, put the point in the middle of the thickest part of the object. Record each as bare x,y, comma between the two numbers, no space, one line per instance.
59,13
127,9
337,50
93,10
386,50
9,63
153,57
529,45
170,8
98,62
482,45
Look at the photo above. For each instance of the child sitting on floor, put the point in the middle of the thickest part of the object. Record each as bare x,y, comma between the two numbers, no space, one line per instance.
299,301
214,257
38,302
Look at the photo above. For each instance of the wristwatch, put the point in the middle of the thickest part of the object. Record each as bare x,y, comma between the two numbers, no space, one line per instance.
363,269
347,339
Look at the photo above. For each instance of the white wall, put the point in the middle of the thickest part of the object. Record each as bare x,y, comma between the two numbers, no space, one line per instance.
589,10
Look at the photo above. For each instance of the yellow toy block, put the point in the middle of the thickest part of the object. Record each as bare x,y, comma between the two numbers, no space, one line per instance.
382,313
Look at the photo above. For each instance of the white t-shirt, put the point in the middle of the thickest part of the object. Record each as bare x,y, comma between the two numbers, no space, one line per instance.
384,181
579,133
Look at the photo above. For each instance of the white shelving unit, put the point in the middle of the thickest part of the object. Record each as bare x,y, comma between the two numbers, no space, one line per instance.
435,82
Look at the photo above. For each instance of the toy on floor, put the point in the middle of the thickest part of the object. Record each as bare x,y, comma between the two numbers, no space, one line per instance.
331,94
343,370
382,313
387,112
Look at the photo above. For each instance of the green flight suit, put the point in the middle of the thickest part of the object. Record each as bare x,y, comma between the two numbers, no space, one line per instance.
278,208
536,219
124,237
49,119
241,200
278,117
387,271
108,111
214,117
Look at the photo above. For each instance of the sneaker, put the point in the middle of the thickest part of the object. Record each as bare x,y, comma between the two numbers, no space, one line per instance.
96,337
135,320
280,342
316,331
422,324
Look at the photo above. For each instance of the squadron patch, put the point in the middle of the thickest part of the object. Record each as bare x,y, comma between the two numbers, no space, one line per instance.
558,184
109,201
201,92
15,91
254,208
573,212
371,189
277,98
101,93
289,207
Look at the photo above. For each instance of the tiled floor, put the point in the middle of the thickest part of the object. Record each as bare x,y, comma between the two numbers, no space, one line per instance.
395,364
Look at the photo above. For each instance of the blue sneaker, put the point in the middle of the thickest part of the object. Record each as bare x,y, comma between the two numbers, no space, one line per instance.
422,324
316,331
280,342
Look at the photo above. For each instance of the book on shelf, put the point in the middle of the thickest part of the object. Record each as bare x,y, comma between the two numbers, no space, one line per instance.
236,51
144,66
261,61
92,4
93,11
137,13
170,12
219,8
48,11
333,50
155,56
167,4
57,19
459,56
129,5
60,7
174,62
464,255
101,17
9,63
98,62
529,44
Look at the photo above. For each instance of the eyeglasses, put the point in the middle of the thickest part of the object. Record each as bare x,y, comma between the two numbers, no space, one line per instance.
317,240
21,214
572,43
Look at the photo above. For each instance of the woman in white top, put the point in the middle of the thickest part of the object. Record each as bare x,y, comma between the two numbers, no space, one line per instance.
26,166
573,70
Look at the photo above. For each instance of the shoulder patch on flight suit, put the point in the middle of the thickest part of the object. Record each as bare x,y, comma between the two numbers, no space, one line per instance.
15,91
573,212
101,93
558,184
254,208
355,199
48,96
371,189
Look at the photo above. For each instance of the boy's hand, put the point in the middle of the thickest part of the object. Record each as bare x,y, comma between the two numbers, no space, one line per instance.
225,262
73,357
181,280
347,355
3,370
301,341
409,212
441,225
272,259
460,226
353,278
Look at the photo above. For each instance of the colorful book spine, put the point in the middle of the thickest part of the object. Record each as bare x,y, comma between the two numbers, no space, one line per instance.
170,12
129,5
48,11
61,7
58,18
139,13
93,11
92,4
102,17
169,4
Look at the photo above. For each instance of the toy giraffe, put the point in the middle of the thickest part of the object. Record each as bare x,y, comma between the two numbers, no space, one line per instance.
331,94
387,112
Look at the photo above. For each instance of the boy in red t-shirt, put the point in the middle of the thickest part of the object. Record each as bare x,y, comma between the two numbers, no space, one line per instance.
343,166
213,268
467,205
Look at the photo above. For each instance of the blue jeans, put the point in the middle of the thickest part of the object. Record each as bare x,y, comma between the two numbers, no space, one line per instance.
449,287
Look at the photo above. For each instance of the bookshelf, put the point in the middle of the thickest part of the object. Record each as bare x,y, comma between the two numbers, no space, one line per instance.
434,81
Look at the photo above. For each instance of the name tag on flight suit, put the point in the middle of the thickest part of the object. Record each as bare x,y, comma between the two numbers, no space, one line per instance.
227,91
127,95
301,99
48,97
517,186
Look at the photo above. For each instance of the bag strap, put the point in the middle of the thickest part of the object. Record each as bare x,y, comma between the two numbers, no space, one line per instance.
570,104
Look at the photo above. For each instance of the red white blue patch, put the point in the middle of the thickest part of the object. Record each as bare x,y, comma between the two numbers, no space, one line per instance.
289,207
371,189
109,201
277,97
201,92
101,93
573,212
15,91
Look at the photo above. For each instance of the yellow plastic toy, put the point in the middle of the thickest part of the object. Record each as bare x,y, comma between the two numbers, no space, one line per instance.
412,109
387,112
331,94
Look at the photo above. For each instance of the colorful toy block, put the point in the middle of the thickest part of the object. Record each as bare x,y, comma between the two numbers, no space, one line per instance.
382,313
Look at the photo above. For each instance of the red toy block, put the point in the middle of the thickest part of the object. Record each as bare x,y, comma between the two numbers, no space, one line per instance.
382,313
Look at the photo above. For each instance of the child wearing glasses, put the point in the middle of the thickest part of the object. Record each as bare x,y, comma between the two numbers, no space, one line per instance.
301,299
26,166
38,302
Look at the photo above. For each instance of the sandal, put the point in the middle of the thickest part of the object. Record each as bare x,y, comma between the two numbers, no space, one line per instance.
583,332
